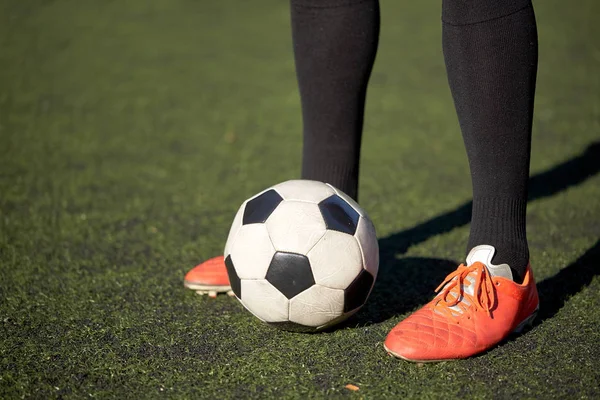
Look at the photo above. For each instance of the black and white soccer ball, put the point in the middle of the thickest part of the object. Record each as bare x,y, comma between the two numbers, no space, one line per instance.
302,255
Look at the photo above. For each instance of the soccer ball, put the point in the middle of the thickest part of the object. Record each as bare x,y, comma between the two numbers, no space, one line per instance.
302,255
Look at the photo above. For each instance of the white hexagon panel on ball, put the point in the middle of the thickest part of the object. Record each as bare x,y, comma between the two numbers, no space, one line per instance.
304,190
235,226
317,306
295,226
336,260
252,251
367,240
264,301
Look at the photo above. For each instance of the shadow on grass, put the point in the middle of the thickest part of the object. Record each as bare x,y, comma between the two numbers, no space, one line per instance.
406,283
556,290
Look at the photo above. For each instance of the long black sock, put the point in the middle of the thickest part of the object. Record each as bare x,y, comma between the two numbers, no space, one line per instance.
335,42
490,49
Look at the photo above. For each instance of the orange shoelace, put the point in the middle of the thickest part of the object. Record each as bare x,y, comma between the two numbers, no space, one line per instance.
454,294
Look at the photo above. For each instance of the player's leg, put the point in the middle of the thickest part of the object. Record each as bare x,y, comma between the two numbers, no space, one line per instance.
492,72
335,42
490,49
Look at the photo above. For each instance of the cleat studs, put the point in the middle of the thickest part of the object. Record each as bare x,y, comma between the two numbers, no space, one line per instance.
213,294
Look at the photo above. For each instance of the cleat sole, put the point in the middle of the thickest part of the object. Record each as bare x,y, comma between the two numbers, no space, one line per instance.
207,288
396,355
211,291
527,322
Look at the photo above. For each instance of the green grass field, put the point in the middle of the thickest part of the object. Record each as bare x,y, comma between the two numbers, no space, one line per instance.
130,133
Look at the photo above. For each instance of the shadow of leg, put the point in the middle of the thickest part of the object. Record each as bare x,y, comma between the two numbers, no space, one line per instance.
406,283
555,180
403,285
555,291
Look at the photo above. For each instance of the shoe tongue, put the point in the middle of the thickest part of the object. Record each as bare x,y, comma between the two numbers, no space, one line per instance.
484,254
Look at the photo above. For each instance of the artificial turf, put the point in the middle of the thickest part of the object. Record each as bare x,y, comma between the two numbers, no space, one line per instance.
131,131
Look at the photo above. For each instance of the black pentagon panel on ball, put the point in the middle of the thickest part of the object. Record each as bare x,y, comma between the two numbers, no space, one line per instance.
339,215
356,294
234,279
258,209
290,273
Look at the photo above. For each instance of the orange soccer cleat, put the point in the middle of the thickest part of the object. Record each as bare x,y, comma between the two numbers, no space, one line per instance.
210,278
477,306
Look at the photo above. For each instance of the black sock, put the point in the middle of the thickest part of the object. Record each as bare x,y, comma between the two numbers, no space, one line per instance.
335,42
490,49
